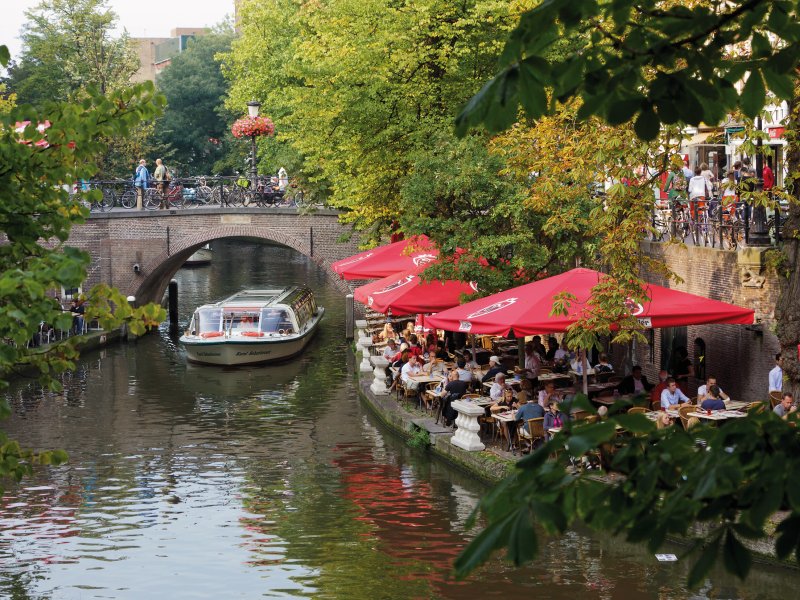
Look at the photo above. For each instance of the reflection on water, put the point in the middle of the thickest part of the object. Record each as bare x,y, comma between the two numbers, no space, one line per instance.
203,482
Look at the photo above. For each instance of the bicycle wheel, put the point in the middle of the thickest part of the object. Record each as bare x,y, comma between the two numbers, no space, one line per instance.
737,234
299,200
152,199
203,194
128,199
175,197
217,195
235,196
108,200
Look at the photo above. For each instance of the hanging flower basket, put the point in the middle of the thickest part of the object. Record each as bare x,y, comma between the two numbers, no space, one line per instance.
248,126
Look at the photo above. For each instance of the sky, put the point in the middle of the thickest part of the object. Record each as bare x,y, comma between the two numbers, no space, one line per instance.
142,18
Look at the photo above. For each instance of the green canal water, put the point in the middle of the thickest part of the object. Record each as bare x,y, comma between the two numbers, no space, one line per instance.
200,482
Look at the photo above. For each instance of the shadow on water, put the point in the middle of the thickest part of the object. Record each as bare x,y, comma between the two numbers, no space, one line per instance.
189,481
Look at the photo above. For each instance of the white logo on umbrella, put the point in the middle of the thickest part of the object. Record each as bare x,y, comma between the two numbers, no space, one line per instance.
423,259
492,308
473,285
355,260
464,326
397,284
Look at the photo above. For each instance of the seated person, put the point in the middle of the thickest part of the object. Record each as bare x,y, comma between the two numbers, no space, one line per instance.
635,383
494,368
712,400
562,354
464,374
387,333
506,401
403,348
655,394
548,394
413,345
702,391
528,410
430,366
785,407
455,388
672,395
525,392
412,367
603,366
552,348
499,385
440,352
390,350
663,421
553,418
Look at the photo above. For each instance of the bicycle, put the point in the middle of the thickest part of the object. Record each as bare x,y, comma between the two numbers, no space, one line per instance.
660,226
680,220
168,196
702,228
728,224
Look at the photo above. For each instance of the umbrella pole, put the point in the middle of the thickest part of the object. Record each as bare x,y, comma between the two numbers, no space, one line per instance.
585,368
472,335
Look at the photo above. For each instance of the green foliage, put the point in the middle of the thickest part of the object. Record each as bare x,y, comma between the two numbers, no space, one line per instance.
195,122
358,88
730,478
640,63
67,47
419,439
36,216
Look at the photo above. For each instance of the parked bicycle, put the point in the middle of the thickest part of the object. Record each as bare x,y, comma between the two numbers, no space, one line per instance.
167,195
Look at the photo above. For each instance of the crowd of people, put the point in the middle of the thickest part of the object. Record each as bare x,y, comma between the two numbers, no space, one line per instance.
412,352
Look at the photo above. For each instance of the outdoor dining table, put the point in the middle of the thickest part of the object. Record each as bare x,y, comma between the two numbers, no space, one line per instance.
505,418
423,378
545,377
717,415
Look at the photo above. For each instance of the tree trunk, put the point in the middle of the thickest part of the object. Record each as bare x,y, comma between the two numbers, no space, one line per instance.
787,311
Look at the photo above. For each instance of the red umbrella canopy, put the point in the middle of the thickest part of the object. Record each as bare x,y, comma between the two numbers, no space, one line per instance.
387,260
406,294
526,309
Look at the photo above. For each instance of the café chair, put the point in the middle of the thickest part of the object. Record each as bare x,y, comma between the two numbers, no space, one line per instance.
535,431
775,398
655,405
637,410
683,412
756,407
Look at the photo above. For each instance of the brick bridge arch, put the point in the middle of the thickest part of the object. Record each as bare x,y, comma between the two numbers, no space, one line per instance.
159,242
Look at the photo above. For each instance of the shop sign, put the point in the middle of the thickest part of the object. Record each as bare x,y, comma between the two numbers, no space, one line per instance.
775,132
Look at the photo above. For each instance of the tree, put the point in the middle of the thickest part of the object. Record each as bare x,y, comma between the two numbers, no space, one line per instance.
195,120
67,46
58,147
358,88
655,64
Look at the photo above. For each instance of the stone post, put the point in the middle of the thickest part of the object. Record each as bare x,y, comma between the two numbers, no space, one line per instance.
378,386
466,436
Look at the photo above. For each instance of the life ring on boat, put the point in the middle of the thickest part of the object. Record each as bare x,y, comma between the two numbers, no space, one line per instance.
281,332
253,334
212,334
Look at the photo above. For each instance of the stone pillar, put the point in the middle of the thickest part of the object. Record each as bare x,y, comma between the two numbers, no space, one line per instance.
466,435
379,383
365,344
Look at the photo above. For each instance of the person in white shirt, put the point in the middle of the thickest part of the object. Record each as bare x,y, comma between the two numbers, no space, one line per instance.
672,395
702,391
562,352
390,349
464,374
532,362
776,375
499,385
410,368
698,186
548,394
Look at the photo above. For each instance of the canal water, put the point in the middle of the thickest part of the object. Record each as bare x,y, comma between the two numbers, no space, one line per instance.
187,481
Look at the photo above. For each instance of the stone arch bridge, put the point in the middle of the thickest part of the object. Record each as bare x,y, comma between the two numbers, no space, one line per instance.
140,251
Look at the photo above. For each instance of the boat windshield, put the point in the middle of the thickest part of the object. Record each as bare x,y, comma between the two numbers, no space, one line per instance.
276,320
209,319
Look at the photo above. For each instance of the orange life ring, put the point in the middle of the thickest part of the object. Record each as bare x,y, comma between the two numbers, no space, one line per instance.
211,334
253,334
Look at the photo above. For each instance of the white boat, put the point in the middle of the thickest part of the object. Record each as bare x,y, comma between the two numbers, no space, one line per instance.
253,326
202,256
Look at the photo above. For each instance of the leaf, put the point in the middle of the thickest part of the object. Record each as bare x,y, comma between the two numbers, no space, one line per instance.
753,95
5,56
647,125
622,111
635,423
703,564
533,96
479,549
590,436
735,556
788,533
523,545
780,84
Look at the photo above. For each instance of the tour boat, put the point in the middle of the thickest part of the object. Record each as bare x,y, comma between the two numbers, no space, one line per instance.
202,256
253,326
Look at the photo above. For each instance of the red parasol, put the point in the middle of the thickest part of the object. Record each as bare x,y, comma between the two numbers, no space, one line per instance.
406,294
526,309
387,260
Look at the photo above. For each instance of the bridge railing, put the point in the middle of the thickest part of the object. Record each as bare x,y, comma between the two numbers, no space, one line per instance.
192,192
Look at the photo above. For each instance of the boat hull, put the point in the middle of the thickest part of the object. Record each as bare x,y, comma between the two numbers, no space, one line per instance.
202,256
238,350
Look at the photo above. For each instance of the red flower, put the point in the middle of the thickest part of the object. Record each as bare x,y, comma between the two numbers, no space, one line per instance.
247,126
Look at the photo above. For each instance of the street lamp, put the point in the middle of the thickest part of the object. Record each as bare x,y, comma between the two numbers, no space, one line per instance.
252,111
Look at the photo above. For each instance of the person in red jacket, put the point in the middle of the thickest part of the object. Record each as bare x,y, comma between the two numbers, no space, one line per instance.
769,178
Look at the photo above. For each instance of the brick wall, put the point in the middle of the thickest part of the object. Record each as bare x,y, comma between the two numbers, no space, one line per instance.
740,357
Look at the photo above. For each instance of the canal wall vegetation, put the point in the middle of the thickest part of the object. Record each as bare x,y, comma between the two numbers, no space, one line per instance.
491,467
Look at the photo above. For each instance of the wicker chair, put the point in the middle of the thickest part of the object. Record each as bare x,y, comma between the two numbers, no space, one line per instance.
637,410
756,407
775,398
683,412
534,432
